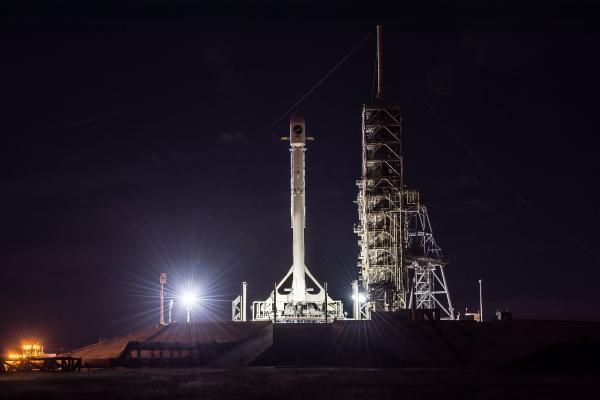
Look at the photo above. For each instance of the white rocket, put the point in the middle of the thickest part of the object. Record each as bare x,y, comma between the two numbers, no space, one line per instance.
297,303
297,142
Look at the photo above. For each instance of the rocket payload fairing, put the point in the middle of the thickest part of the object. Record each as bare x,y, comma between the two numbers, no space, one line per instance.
297,142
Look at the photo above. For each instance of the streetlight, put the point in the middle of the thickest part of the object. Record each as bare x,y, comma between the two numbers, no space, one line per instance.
480,303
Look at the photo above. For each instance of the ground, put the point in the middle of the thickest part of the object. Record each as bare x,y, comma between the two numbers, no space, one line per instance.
297,383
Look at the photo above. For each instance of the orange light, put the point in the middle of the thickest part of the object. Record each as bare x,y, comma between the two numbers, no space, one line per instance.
29,349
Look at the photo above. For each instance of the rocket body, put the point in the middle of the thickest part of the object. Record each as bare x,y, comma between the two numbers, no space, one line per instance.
297,303
297,142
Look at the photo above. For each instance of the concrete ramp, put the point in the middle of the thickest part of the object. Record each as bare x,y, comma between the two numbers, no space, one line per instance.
99,354
214,343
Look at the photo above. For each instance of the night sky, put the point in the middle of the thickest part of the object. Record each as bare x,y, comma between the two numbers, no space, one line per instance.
143,139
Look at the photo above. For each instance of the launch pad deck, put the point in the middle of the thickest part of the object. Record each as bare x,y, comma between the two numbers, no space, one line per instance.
380,342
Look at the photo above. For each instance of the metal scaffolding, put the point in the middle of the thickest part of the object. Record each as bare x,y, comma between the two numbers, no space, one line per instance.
424,258
380,228
239,307
399,259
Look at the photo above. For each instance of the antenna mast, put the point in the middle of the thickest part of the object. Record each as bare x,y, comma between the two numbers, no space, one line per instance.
379,96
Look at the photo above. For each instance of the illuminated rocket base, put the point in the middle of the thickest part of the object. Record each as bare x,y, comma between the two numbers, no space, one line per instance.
292,300
317,305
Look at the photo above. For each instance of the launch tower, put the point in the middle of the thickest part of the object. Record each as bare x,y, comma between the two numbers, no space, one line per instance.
400,264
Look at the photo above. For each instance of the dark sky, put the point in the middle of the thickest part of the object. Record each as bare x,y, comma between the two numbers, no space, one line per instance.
139,139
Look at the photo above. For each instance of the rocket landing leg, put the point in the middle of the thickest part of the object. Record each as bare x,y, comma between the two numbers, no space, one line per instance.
316,304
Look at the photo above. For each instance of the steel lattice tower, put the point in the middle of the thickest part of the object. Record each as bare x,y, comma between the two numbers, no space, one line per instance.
380,208
424,260
400,264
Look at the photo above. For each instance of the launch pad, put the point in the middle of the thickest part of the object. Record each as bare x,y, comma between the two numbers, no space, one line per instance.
400,265
387,339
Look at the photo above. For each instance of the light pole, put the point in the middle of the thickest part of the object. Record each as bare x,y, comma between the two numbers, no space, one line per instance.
480,303
188,299
163,280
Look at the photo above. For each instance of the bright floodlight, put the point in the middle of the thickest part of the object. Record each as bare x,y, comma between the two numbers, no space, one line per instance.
361,298
188,299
